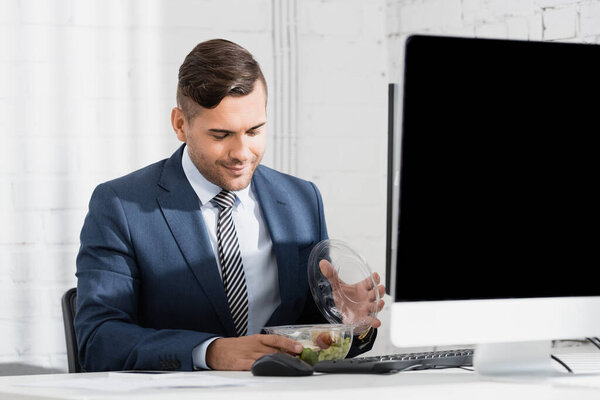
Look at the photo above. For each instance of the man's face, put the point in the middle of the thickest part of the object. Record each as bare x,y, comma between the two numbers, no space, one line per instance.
227,143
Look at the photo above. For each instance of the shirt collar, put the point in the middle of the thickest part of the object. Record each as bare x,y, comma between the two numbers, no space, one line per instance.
205,189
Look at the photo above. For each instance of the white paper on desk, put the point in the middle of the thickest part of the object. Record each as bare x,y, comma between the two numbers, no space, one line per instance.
126,382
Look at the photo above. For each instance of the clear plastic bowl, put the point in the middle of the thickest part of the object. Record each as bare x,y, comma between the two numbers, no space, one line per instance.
320,342
338,300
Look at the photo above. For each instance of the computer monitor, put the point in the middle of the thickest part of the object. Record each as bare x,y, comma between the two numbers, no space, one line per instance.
493,204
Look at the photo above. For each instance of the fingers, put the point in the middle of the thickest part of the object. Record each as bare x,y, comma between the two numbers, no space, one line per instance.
376,323
380,292
366,323
238,354
377,278
380,305
368,282
327,269
372,295
280,343
366,295
331,274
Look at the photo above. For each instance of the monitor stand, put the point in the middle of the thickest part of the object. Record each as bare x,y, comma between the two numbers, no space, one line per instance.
515,358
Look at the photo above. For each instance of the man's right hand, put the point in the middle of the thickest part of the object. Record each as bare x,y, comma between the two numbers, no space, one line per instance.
238,354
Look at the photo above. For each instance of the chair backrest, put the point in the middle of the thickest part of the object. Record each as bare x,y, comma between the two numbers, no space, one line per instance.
68,302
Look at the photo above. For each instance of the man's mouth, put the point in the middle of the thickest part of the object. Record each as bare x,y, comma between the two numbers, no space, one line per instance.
236,169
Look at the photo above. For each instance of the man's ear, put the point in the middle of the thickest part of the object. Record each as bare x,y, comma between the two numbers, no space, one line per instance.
179,123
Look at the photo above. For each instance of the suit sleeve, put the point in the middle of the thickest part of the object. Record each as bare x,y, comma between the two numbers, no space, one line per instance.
311,313
108,283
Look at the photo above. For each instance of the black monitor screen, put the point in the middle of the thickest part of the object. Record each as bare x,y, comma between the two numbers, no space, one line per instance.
499,170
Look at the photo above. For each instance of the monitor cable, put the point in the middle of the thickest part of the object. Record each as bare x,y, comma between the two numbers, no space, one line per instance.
561,362
593,340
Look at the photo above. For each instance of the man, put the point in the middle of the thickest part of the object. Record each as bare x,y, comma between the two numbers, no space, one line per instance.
182,263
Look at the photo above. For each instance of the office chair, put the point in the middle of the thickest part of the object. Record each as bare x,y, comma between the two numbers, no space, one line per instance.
68,303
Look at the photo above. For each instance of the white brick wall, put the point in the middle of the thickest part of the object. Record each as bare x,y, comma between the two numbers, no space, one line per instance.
343,117
561,20
86,88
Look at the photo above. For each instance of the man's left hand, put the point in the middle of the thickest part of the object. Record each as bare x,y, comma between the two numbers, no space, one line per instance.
356,302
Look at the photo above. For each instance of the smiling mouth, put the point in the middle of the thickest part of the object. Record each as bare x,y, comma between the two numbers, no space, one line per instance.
236,169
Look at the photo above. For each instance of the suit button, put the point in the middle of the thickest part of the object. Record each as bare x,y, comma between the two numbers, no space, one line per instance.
177,364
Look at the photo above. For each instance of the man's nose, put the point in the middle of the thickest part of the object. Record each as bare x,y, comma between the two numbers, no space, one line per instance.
239,148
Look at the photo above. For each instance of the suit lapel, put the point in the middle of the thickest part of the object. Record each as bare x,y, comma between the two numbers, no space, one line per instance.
278,214
181,209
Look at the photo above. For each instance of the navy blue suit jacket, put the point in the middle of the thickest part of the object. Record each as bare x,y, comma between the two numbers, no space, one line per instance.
148,288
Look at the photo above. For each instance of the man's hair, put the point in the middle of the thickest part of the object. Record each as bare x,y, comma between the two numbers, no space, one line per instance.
213,70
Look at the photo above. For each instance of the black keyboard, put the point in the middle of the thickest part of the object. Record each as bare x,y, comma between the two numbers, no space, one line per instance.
398,362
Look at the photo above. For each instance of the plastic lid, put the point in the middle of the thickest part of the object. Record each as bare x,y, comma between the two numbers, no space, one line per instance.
342,284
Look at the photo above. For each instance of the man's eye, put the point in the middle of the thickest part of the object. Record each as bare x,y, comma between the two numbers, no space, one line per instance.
220,137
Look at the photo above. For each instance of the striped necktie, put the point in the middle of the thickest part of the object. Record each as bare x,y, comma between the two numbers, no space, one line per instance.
230,256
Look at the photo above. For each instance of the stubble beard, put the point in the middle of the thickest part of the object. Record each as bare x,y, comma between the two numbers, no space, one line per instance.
216,173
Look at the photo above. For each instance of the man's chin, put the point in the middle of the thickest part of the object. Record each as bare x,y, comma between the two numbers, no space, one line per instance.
236,184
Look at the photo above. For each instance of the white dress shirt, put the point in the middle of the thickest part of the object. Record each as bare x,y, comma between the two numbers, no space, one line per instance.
256,247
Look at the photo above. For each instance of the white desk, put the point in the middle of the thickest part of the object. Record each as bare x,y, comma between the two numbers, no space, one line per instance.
443,385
